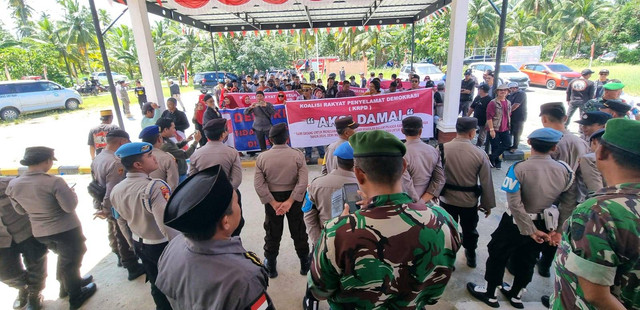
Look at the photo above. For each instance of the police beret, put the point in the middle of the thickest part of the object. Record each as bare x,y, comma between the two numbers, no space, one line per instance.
199,202
412,122
344,151
149,131
134,148
586,71
278,129
376,143
345,122
464,124
615,105
596,134
555,109
215,124
613,86
623,134
594,117
36,154
546,135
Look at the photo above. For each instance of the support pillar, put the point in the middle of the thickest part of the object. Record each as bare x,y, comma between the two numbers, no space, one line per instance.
413,41
457,36
146,51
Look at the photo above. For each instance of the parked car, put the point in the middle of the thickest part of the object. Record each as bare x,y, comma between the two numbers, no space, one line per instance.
421,69
18,97
102,77
209,80
551,75
607,57
477,58
508,73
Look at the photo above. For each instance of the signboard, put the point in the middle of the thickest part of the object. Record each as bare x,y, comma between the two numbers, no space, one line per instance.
519,55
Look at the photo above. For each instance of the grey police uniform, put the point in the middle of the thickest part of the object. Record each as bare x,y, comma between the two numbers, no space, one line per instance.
319,192
330,161
424,173
167,168
588,172
222,275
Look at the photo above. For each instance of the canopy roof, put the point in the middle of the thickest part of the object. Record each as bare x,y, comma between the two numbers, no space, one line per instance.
249,15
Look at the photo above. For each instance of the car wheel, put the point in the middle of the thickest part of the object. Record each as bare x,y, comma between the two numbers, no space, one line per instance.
72,104
551,84
9,114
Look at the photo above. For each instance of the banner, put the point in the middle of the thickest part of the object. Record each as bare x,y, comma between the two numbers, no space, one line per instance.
268,97
359,91
311,122
240,126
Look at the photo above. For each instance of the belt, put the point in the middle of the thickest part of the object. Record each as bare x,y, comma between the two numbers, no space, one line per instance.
536,216
148,241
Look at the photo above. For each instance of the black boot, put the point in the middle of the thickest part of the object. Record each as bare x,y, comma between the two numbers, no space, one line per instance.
543,269
35,301
304,265
513,294
84,281
471,258
85,293
135,271
21,299
546,302
119,260
309,302
271,267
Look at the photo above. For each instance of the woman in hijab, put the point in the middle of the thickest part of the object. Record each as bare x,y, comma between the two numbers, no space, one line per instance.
245,101
282,98
228,102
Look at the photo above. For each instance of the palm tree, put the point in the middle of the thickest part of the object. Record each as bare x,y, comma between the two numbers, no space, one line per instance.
49,32
536,6
123,48
520,29
185,47
22,12
77,28
582,18
485,20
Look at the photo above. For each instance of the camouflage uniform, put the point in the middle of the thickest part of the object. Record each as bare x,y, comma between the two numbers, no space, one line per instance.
591,105
600,243
355,273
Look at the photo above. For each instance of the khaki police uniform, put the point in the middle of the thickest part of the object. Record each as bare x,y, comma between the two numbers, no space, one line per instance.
424,172
588,172
330,161
167,168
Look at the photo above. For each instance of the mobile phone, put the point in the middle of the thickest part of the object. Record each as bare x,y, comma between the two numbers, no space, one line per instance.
72,185
350,196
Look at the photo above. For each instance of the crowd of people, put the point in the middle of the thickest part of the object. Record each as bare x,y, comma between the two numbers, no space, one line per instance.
175,213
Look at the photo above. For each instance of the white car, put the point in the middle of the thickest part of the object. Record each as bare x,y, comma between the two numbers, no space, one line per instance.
18,97
102,77
421,69
508,73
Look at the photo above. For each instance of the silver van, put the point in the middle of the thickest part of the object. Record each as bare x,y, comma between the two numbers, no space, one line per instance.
18,97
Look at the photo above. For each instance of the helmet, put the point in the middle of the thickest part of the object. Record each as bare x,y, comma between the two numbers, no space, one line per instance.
203,90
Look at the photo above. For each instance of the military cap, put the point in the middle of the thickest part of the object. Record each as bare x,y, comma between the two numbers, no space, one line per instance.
149,131
106,113
199,202
344,151
134,148
586,71
376,143
464,124
594,117
615,105
215,124
613,86
623,134
278,129
36,154
596,134
345,122
412,122
546,135
555,109
117,133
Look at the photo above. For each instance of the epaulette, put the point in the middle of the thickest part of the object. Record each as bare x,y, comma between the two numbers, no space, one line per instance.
571,174
253,257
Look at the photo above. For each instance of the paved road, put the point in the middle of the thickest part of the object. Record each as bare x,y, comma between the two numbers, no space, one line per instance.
68,135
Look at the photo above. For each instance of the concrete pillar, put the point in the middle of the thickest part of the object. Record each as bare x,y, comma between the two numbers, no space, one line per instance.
457,36
146,51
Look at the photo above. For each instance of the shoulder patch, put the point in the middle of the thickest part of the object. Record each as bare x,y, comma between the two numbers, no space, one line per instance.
120,170
253,257
165,189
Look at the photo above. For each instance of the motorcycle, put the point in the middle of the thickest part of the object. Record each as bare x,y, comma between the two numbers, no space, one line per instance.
86,90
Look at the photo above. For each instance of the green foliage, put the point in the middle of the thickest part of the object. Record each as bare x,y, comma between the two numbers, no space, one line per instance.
629,56
21,62
624,26
432,41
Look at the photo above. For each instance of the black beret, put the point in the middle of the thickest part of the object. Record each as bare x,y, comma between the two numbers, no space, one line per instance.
464,124
345,122
118,133
594,117
616,105
278,129
555,109
36,154
215,124
412,122
199,202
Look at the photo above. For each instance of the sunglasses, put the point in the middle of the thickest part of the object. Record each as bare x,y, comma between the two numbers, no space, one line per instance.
415,81
280,96
604,73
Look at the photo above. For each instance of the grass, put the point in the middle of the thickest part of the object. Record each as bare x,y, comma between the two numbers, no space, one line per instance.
626,73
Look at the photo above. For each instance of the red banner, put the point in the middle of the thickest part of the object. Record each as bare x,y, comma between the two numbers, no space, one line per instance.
312,122
268,97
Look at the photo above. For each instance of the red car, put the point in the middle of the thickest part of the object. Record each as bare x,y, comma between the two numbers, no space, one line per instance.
549,74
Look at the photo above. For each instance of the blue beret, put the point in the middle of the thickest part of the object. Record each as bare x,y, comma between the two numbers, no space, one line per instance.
134,148
546,135
344,151
149,131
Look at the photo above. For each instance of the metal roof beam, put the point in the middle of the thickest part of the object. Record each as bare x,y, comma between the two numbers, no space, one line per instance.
372,9
430,9
306,10
249,20
316,24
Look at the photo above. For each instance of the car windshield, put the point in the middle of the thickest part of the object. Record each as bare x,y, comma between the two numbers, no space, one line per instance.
508,68
559,68
422,70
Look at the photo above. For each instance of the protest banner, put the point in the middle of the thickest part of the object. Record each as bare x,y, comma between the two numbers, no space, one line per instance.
240,127
268,97
359,91
312,122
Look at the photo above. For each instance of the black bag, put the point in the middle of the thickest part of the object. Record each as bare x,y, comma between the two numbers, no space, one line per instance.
96,190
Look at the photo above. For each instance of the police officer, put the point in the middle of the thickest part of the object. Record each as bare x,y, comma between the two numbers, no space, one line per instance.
518,99
532,187
579,92
140,202
345,127
50,204
615,107
108,171
205,267
587,168
590,122
17,245
348,258
424,177
168,131
167,164
280,181
215,152
98,135
465,166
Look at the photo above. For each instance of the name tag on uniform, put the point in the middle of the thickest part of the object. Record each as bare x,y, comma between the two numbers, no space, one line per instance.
511,183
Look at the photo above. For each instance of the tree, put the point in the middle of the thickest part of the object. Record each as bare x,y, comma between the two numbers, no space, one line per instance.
49,32
77,29
483,21
21,13
582,19
520,29
122,47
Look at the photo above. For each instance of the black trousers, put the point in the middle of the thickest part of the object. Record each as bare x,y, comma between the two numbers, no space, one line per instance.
468,219
70,247
261,135
119,245
150,255
548,254
499,144
34,256
516,132
507,242
274,225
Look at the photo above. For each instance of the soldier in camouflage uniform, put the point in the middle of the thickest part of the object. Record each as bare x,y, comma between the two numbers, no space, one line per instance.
598,263
393,253
612,90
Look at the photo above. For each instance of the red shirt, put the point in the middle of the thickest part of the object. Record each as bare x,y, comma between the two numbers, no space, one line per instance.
491,112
